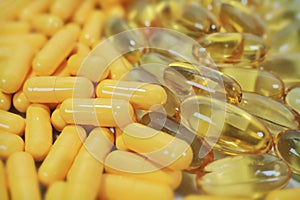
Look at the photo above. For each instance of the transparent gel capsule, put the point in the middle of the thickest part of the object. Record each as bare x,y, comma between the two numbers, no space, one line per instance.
287,147
286,66
187,18
258,81
154,57
203,80
250,176
232,47
226,127
213,6
275,115
292,98
202,153
235,17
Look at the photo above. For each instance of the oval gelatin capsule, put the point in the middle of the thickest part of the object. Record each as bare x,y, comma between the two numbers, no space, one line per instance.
251,176
10,143
34,8
292,98
232,47
47,24
5,101
287,147
258,81
202,153
12,122
55,89
64,8
57,121
273,114
284,194
226,127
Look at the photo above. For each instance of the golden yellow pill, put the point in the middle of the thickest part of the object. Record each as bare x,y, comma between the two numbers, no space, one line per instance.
38,131
20,101
119,140
11,8
97,112
292,98
14,72
83,11
3,184
210,197
34,8
128,188
284,194
74,63
135,165
64,8
140,95
47,24
81,49
84,177
14,27
158,146
10,143
48,59
22,177
56,191
61,155
11,122
57,121
5,101
55,89
119,68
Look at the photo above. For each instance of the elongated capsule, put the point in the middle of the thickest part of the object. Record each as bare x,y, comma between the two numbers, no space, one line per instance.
290,193
211,197
83,11
119,140
5,101
97,112
292,98
22,177
47,60
226,127
232,47
61,155
10,143
55,89
202,153
56,191
47,24
275,115
190,19
253,80
235,17
141,168
84,176
14,71
140,95
11,122
119,68
34,8
290,73
287,147
20,101
3,182
117,187
38,131
10,9
14,28
247,176
64,9
189,79
57,121
168,151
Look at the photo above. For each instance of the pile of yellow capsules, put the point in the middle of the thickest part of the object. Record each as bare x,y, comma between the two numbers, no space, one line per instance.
196,100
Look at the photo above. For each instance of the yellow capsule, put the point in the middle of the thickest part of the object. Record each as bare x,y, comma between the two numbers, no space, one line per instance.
55,89
226,127
139,167
64,8
140,95
84,177
22,177
20,101
273,114
97,112
57,121
10,143
247,176
292,98
154,57
3,184
236,17
92,29
61,155
5,101
158,146
56,191
14,27
48,59
62,70
47,24
12,123
75,62
116,10
38,131
211,197
81,49
284,194
10,9
14,72
109,3
119,140
83,11
119,68
128,188
232,47
213,6
34,8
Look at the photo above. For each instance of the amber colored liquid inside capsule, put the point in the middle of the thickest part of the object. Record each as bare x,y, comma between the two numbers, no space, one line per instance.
292,98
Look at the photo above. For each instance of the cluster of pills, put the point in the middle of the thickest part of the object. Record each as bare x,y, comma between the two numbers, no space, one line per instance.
120,99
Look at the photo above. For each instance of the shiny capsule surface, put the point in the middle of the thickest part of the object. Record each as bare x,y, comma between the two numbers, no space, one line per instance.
47,24
253,80
10,143
228,128
8,122
287,147
251,176
5,101
292,98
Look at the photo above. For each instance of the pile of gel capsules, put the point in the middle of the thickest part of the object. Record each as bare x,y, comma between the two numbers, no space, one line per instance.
149,99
